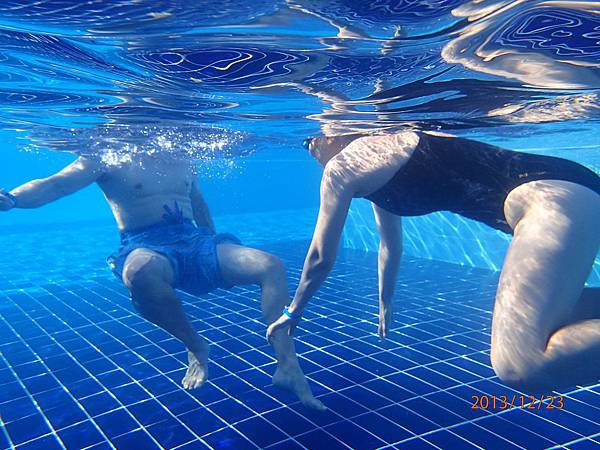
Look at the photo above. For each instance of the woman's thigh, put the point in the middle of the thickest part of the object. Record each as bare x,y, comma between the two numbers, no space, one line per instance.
556,238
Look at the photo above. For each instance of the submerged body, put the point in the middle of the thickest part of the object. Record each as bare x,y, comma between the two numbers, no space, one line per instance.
169,242
546,326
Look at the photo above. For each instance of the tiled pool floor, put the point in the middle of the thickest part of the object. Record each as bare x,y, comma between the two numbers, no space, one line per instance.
80,369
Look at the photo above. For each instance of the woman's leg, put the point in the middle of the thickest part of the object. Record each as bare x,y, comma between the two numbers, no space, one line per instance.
545,334
242,265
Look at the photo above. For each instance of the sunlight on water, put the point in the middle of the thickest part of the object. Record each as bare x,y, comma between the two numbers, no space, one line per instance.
262,69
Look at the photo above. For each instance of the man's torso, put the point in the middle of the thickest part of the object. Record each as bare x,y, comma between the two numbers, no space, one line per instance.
138,191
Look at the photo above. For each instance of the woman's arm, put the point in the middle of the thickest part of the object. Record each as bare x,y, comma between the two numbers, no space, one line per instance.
390,253
336,195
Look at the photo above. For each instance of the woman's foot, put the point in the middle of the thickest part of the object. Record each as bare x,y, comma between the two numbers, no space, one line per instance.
292,379
197,371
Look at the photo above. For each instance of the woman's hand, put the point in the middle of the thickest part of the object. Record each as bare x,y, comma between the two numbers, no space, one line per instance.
282,323
386,317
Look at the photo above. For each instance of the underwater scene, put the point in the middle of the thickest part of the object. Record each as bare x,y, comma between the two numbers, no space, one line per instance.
299,224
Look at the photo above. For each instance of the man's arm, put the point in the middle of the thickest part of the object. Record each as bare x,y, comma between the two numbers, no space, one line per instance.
36,193
390,253
200,209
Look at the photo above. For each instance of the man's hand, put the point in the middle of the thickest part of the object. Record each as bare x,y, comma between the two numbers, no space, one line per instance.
282,323
6,202
386,317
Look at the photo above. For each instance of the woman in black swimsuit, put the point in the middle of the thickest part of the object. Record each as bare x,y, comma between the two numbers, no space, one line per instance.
546,326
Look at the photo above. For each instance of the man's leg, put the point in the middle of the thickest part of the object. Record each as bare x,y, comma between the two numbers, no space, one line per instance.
149,277
546,328
243,265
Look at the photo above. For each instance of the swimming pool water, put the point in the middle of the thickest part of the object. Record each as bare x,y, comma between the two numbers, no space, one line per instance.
79,368
237,86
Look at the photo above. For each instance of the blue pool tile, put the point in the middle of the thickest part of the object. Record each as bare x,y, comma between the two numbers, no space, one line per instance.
40,383
135,440
114,378
320,418
3,438
330,379
386,430
353,435
231,411
408,419
27,428
202,421
257,378
232,384
179,402
29,369
158,385
453,372
260,431
570,421
472,367
589,412
342,405
196,444
209,393
288,444
413,354
233,364
149,412
116,422
48,442
432,377
65,415
483,438
228,438
514,433
365,397
584,444
85,388
415,444
546,428
130,393
389,390
81,435
353,373
289,421
411,383
16,409
433,412
99,403
258,401
447,439
170,433
321,439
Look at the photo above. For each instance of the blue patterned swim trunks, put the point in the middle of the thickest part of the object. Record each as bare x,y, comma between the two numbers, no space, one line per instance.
191,250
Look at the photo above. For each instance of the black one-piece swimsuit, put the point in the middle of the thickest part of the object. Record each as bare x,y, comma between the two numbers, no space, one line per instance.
470,178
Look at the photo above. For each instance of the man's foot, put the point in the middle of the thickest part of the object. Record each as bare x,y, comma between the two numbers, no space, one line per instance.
197,371
294,380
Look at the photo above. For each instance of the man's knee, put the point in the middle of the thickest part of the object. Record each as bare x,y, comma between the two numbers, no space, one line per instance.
143,269
273,266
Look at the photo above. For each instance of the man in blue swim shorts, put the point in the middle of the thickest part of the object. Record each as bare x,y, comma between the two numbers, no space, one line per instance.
168,242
